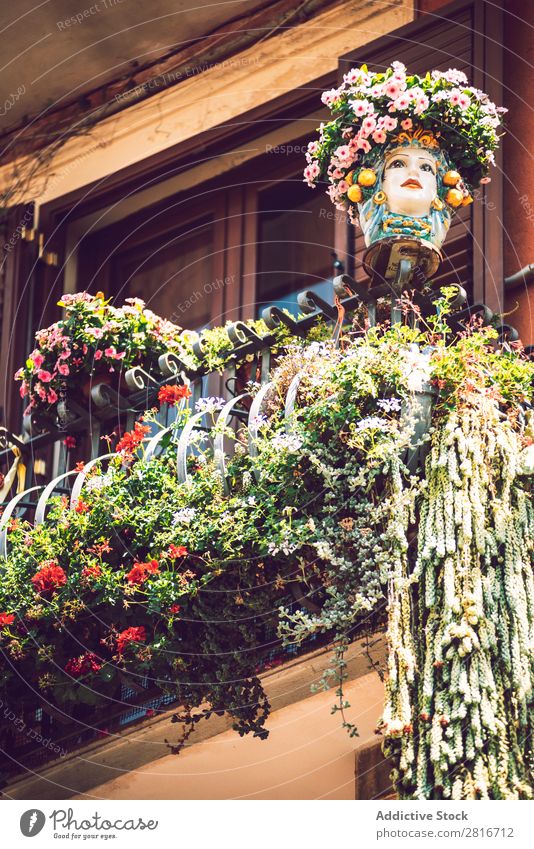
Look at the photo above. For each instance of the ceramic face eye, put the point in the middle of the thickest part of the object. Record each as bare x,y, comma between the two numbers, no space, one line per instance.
410,181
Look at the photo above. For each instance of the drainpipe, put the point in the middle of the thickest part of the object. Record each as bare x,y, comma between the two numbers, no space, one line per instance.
522,277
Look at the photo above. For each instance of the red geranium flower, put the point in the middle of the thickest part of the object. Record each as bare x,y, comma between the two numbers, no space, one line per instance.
91,571
172,394
140,572
6,619
176,551
82,506
137,575
100,548
174,608
69,442
49,577
82,665
130,635
132,439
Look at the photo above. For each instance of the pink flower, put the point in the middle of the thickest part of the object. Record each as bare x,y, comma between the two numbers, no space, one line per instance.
402,102
52,397
388,124
377,91
361,107
329,97
364,145
23,390
41,391
37,359
421,104
454,97
343,153
45,376
464,101
63,369
311,172
65,354
352,76
98,355
452,76
110,352
379,136
406,124
343,186
368,125
393,88
96,332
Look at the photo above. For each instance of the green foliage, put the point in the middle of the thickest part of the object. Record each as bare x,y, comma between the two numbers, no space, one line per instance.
186,583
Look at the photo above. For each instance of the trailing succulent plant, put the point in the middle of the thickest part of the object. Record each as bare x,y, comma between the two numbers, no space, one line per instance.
459,708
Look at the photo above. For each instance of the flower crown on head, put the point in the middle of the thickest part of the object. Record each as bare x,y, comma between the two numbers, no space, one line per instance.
376,113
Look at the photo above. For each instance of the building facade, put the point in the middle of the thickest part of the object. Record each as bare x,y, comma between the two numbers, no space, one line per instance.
187,192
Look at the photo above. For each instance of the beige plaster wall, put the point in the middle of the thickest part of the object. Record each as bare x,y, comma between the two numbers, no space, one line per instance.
263,72
308,755
307,747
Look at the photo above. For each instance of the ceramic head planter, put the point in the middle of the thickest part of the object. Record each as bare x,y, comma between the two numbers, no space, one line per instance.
403,152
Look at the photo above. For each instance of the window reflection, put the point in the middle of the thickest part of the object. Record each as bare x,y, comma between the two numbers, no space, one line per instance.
173,276
295,243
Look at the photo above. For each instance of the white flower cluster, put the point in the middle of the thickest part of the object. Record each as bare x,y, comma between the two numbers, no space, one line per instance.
184,516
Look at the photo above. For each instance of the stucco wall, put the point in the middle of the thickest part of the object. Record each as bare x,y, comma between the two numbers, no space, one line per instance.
308,755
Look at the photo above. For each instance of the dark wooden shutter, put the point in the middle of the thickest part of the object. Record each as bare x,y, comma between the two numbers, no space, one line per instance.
16,268
463,35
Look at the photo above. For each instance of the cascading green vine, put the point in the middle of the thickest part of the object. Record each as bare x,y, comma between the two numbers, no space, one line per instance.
461,728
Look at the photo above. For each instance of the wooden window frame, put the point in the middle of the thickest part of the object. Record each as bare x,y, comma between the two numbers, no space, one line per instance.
229,302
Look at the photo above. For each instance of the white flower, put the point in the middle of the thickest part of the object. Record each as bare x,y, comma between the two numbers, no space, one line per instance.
99,482
316,349
389,405
372,423
209,405
416,369
259,421
184,516
286,442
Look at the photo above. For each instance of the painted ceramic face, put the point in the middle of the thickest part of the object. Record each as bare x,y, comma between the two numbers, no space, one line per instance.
410,181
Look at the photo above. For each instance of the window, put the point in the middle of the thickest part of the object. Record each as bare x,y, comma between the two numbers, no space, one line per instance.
295,243
172,274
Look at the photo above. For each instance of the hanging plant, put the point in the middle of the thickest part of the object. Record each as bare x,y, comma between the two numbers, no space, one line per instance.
462,727
95,342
